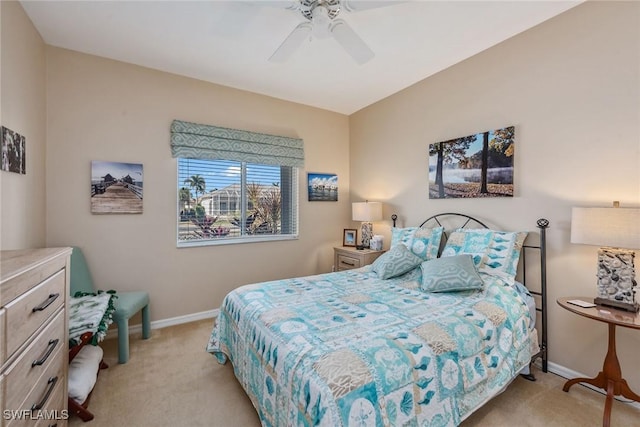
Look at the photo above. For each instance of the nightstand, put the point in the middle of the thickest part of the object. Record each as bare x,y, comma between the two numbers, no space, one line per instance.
347,258
610,378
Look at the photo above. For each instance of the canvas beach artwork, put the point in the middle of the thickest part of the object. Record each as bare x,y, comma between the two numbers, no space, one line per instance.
322,187
479,165
116,188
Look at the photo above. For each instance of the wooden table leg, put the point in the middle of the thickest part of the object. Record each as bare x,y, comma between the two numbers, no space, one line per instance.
599,381
609,379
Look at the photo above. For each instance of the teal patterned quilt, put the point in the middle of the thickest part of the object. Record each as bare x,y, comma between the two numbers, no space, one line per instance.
349,349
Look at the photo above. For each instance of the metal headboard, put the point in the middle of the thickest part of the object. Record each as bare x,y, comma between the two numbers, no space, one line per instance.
453,221
542,225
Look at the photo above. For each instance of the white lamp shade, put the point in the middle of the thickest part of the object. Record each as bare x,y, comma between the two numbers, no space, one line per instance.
366,211
615,227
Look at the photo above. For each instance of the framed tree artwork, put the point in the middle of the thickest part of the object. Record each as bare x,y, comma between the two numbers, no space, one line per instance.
479,165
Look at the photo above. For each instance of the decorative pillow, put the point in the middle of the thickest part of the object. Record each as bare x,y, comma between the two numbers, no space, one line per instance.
424,242
83,372
398,260
494,252
456,273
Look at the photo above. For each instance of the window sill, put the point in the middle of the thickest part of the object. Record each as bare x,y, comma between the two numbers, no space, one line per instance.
235,240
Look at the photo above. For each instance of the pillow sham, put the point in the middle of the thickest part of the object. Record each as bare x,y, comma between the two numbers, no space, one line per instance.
424,242
455,273
494,252
395,262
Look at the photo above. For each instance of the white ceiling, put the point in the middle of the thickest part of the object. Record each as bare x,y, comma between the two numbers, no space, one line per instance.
229,42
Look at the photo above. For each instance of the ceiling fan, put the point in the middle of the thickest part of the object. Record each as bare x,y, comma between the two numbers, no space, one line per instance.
321,22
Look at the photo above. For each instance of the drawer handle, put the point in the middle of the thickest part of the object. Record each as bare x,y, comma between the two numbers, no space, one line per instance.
348,263
52,383
52,344
45,304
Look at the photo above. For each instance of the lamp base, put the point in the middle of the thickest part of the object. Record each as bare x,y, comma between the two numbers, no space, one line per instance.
616,279
366,231
635,307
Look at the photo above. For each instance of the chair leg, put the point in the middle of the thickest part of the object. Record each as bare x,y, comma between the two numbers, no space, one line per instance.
79,410
146,322
123,341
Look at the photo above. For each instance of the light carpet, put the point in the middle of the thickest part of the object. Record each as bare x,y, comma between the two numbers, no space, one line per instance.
170,380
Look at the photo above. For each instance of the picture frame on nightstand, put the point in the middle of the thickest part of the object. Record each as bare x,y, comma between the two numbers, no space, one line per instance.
349,237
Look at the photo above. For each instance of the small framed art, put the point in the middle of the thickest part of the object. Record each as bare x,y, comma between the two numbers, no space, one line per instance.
14,156
116,188
322,187
349,237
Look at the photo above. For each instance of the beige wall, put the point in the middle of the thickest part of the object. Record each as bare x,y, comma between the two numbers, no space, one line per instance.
22,109
99,109
571,87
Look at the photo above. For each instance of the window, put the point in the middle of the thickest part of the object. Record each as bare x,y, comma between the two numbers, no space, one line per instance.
223,201
234,185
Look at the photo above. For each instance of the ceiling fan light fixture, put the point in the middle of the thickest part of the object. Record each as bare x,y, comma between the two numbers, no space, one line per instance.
321,22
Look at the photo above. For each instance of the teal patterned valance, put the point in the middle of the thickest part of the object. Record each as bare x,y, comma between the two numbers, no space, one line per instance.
195,141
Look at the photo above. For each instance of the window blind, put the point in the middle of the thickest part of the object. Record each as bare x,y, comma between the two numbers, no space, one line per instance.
197,141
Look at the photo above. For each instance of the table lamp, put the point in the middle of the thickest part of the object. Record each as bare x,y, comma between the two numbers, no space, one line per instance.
617,231
367,212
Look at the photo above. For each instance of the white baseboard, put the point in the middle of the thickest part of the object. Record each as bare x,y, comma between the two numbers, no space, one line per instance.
570,373
163,323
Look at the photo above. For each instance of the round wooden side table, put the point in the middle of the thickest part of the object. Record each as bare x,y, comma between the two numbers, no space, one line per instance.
610,378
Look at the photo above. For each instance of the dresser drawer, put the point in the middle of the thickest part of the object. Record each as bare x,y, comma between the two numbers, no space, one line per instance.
43,392
3,339
26,314
2,396
56,411
346,262
34,361
23,269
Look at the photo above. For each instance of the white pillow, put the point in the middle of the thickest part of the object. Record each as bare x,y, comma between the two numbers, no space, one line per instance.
83,372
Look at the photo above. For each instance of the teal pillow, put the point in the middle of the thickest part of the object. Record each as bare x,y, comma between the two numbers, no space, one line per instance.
494,252
424,242
398,260
455,273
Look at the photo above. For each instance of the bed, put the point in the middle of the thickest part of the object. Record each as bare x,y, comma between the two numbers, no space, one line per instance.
425,335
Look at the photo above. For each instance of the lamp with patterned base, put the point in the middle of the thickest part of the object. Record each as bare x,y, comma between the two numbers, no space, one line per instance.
367,212
618,231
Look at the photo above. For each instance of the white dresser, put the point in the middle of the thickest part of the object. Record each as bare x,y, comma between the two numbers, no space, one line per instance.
34,335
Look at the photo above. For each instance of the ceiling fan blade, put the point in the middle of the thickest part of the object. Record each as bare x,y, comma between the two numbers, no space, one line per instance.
280,4
293,41
357,5
351,42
